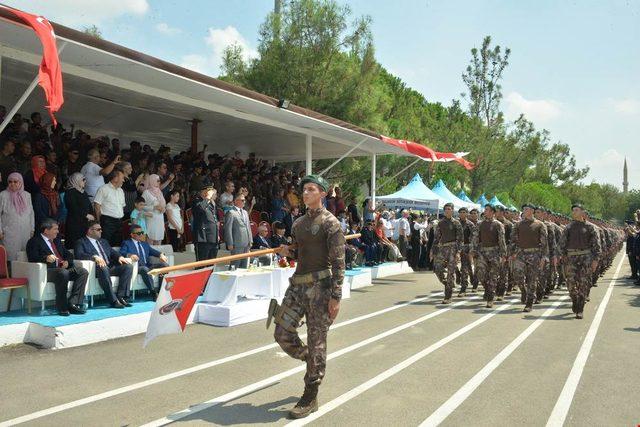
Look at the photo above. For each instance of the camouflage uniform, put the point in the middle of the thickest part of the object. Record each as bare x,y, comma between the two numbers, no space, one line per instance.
466,269
489,248
544,271
447,242
550,272
504,277
318,278
579,245
529,246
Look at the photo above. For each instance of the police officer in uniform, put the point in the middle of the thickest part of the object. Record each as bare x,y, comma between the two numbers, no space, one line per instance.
447,242
314,291
580,248
529,253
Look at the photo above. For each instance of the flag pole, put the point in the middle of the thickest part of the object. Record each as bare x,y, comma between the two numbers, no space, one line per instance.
224,259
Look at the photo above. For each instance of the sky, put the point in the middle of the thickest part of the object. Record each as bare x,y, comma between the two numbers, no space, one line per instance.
574,68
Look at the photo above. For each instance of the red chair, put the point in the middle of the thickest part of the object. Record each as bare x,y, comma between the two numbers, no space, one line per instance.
12,283
255,216
254,228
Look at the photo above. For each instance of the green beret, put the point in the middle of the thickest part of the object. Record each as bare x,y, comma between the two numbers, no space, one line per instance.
528,205
315,179
492,207
577,205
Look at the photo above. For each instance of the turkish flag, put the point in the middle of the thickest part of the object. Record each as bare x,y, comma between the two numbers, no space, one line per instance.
176,299
50,74
427,153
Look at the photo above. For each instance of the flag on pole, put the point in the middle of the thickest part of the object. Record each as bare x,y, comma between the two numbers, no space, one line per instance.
426,153
50,73
176,299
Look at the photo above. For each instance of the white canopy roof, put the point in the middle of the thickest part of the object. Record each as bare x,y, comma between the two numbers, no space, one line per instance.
113,90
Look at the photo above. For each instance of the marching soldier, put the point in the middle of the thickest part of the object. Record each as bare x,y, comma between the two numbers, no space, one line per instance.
447,242
529,252
314,292
580,247
473,217
505,274
489,249
466,270
549,259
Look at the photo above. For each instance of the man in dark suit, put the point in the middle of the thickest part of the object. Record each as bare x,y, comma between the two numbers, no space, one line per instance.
261,240
139,250
108,263
289,219
279,235
205,223
372,246
48,248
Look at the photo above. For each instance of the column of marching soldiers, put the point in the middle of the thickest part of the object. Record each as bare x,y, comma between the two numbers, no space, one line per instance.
535,252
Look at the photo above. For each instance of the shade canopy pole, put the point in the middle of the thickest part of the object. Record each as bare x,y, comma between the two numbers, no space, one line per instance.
309,154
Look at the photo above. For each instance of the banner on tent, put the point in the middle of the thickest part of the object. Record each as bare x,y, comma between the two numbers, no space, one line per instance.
416,205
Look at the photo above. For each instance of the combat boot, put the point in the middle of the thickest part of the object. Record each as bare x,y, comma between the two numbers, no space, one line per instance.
446,301
529,305
307,404
490,304
499,298
462,294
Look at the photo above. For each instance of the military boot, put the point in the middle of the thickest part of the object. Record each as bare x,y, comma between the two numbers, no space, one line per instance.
490,304
529,305
307,404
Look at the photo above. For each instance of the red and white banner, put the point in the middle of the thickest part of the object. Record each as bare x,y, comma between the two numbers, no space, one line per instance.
427,153
176,299
50,74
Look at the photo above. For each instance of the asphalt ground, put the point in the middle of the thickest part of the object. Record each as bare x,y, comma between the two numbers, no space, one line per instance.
396,357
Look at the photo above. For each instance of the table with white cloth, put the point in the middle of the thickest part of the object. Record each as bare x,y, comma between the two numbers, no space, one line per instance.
280,280
226,287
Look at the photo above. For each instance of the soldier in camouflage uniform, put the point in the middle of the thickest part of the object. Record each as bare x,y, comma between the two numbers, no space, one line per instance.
560,221
551,247
514,217
489,249
529,253
580,248
314,291
466,269
473,217
504,273
447,242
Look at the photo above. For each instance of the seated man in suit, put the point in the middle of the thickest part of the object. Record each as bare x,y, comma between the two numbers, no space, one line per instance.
372,246
278,239
262,241
108,263
47,248
139,250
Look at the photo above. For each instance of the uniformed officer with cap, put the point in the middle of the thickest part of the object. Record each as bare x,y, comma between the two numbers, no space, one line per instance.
314,291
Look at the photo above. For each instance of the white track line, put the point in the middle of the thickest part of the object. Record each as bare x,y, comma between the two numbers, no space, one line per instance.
136,386
466,390
563,404
275,378
330,406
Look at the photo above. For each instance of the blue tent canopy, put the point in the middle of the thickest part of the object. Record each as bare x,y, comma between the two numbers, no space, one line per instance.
463,196
415,195
482,201
496,202
513,208
441,190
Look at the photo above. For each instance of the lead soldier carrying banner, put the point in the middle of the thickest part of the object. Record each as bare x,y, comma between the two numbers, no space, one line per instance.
314,291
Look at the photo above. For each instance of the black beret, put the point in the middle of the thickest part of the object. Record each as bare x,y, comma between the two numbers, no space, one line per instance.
528,205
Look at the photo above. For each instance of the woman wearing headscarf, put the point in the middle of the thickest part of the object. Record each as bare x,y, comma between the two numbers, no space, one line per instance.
16,217
33,175
46,200
79,209
154,203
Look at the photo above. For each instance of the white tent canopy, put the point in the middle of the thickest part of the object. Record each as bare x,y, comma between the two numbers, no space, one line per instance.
415,195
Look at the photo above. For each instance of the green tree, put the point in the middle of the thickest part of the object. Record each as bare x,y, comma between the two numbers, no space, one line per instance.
542,194
93,31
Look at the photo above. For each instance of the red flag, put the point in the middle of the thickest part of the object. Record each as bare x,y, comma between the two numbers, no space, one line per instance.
176,299
427,153
50,74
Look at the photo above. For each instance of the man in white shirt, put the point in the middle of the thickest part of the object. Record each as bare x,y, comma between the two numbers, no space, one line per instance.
109,207
94,173
404,231
226,198
387,224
